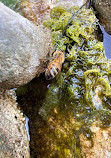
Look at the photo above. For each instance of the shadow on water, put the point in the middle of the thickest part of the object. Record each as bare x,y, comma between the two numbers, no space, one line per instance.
30,99
106,39
43,136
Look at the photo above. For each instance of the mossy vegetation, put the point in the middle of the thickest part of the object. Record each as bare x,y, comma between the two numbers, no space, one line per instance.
81,94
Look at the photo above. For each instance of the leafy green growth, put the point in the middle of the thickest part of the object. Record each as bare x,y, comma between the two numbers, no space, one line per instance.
57,11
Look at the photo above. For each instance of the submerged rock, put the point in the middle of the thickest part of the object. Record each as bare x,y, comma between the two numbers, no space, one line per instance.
22,46
13,136
103,8
99,146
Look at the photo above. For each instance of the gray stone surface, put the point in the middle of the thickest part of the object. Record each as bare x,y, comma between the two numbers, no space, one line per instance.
13,136
22,45
103,7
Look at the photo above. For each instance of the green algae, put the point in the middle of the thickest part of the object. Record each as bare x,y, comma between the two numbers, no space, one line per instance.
85,55
83,24
76,99
57,11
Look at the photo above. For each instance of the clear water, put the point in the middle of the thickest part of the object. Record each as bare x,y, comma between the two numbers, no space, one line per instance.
27,127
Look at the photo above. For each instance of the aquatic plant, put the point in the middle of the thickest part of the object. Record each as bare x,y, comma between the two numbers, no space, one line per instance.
81,94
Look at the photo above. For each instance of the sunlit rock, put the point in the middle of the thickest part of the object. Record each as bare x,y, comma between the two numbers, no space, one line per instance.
22,46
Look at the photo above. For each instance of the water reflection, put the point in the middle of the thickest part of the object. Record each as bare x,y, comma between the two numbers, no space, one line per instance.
106,42
27,127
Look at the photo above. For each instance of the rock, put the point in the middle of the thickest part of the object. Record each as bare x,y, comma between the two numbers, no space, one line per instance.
38,11
13,136
99,146
103,7
22,46
66,3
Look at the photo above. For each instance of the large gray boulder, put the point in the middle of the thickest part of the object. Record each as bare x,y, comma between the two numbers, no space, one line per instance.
22,46
103,8
13,136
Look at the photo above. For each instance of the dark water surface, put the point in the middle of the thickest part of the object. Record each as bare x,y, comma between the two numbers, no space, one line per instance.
107,43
